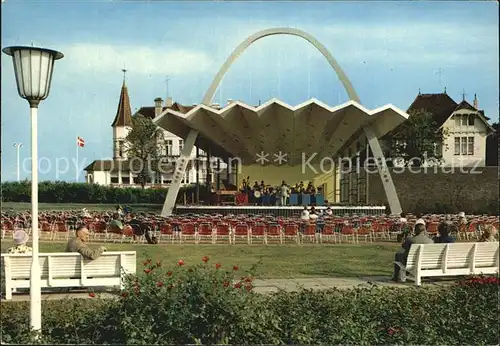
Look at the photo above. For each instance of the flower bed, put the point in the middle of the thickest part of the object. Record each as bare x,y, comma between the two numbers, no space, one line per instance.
211,303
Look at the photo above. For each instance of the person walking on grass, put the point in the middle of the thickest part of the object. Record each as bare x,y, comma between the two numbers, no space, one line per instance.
79,244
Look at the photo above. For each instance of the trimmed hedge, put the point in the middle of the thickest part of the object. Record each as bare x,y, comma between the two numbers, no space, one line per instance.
63,192
202,304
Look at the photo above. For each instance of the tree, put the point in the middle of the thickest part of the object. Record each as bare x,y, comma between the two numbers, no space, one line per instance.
417,140
144,145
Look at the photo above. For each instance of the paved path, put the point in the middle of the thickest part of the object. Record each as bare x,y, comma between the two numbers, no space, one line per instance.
272,285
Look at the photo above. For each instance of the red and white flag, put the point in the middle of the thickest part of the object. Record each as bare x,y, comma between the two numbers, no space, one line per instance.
80,141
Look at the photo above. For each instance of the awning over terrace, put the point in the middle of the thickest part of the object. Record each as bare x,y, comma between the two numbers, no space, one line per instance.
244,131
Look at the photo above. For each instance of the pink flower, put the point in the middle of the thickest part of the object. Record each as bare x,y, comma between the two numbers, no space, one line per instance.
180,263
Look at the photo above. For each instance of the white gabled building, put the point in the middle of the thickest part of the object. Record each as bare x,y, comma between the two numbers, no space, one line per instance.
118,172
465,125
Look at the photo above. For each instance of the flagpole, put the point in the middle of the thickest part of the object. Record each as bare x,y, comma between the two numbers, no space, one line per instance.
76,168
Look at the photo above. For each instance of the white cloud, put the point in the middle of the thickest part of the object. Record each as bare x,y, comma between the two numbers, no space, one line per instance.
389,43
421,43
142,59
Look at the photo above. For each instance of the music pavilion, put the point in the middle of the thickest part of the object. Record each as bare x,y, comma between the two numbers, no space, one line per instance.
275,141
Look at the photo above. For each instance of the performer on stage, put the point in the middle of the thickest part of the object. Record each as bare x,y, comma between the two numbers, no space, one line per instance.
285,193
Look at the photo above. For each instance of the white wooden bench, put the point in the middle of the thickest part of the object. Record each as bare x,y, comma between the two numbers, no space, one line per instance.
456,259
68,269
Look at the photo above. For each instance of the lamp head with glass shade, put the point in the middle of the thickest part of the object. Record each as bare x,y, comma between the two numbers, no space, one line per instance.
33,68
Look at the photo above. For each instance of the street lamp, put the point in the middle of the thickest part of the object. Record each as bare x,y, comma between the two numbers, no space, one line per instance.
18,146
33,68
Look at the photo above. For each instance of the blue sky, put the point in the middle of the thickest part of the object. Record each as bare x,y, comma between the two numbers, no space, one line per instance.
388,50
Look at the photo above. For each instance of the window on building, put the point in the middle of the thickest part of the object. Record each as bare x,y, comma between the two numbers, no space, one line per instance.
181,146
471,119
120,148
470,146
464,145
114,180
457,145
465,120
168,147
458,120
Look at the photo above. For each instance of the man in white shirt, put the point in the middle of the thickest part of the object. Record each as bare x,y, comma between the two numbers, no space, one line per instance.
402,219
284,192
305,214
420,222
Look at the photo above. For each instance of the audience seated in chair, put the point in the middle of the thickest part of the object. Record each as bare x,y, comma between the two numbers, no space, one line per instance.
489,234
462,220
443,234
420,237
312,214
304,216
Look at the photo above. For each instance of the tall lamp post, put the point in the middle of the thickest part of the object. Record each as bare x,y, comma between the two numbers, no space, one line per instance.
18,146
33,68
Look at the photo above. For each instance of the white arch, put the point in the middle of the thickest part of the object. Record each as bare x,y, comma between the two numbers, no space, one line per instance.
209,95
189,142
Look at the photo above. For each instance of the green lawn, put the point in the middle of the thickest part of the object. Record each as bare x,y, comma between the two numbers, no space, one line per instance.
274,261
17,206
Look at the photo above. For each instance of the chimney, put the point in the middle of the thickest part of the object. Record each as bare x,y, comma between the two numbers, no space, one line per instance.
169,102
158,106
476,103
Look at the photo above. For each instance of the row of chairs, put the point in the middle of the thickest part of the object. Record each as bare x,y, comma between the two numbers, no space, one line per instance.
49,230
231,230
260,232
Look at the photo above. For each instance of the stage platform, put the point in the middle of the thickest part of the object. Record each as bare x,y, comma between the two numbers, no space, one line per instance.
285,211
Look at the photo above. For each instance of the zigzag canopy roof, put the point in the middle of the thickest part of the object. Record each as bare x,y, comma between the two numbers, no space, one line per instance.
244,131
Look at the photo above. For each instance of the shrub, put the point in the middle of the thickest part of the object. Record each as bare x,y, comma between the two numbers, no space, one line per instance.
204,304
190,304
74,321
63,192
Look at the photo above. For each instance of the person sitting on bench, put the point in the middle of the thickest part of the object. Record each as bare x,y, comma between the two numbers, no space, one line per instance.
79,244
401,256
20,239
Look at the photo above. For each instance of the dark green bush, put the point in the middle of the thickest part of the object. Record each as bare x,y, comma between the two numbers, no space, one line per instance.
204,304
63,192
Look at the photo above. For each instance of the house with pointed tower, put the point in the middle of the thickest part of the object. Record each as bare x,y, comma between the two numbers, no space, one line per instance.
120,171
466,126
